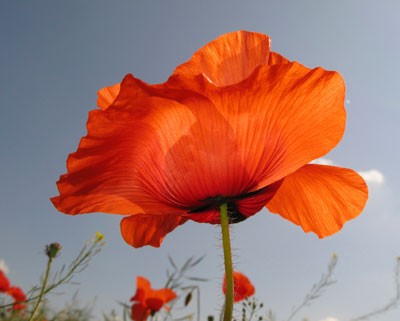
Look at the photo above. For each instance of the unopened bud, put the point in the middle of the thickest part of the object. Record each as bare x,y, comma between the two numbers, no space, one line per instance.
52,250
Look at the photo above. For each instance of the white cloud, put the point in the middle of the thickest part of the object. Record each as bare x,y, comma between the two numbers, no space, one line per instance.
4,267
330,319
323,161
373,176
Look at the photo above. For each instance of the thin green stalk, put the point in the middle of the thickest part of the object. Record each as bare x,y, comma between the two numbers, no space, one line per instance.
226,244
42,291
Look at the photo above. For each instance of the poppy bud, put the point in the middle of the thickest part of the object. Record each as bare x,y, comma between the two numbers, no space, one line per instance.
52,250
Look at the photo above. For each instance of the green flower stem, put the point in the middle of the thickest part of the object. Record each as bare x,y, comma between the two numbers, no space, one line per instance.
226,244
42,291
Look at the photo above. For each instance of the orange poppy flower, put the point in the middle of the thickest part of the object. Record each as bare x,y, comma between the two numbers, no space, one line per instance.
4,282
242,287
236,124
19,297
147,300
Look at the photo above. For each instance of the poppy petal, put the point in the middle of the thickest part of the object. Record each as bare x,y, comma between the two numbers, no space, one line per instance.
228,59
282,117
158,298
154,304
275,59
253,204
111,169
139,312
165,295
18,306
243,288
16,293
143,286
4,282
139,230
107,95
201,150
251,134
320,198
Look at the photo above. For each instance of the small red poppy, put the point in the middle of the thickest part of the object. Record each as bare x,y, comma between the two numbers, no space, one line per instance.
147,300
19,297
242,287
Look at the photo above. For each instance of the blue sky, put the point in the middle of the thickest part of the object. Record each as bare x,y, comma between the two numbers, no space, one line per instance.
56,55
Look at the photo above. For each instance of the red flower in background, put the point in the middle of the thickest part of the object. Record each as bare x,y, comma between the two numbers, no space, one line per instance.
242,287
236,124
4,282
14,291
147,300
19,297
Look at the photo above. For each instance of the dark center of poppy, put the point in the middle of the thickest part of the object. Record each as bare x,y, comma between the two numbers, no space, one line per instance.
233,212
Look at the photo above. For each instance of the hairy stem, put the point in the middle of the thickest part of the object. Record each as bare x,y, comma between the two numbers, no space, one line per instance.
226,244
